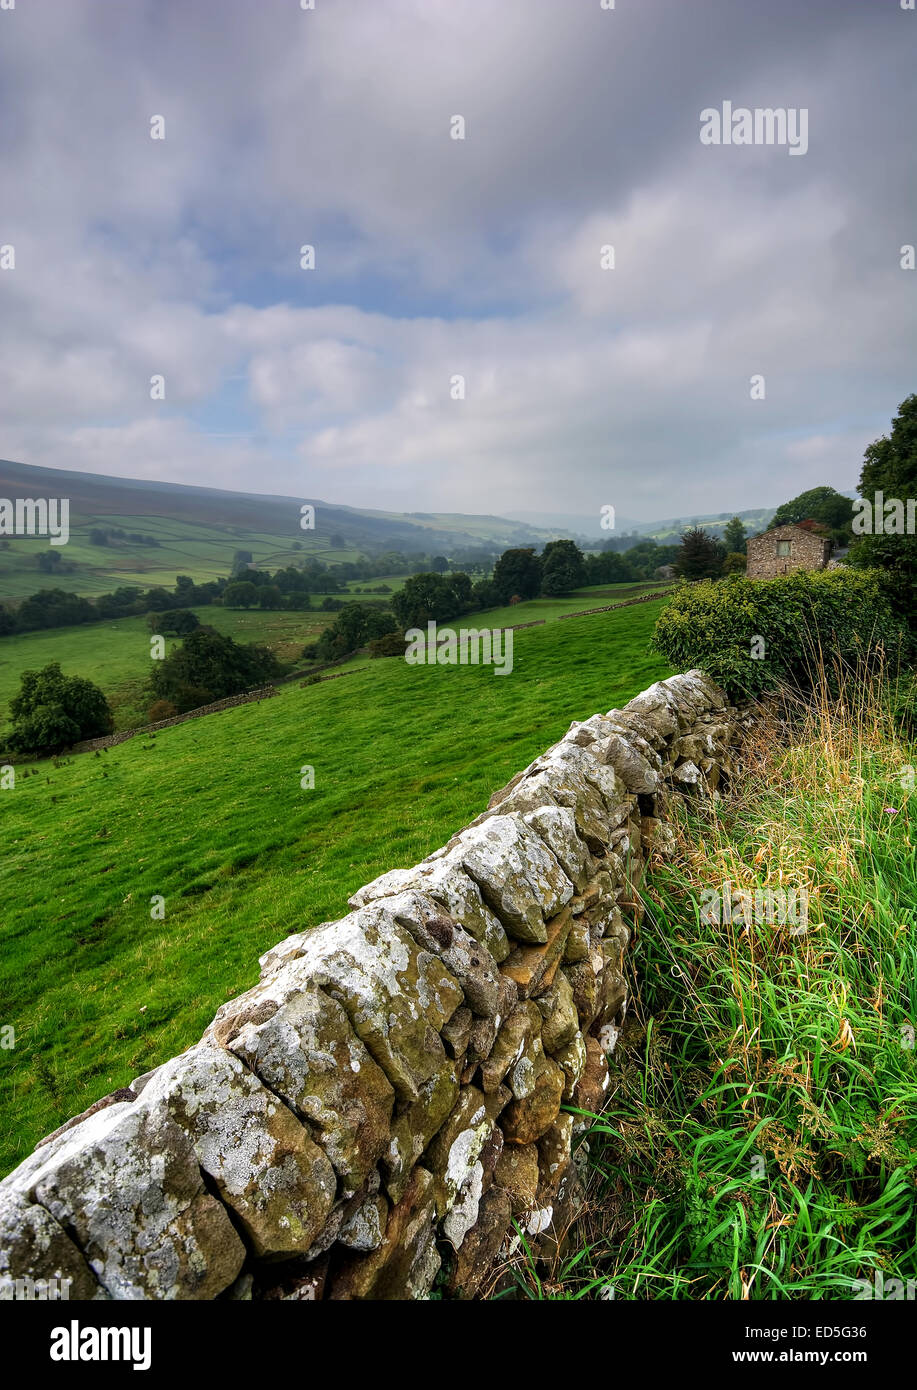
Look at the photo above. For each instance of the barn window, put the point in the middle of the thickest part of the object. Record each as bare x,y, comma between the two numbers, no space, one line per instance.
784,547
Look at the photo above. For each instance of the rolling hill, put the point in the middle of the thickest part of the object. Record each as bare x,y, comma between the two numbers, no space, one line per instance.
196,531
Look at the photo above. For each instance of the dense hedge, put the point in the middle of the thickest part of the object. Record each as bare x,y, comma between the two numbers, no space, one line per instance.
838,614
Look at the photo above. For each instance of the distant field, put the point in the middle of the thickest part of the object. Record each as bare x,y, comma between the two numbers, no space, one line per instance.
194,548
549,609
116,655
211,815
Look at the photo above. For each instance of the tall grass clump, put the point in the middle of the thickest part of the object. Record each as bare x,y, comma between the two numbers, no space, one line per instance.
760,1140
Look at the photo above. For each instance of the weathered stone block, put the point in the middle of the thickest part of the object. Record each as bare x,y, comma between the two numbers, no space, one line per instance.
128,1185
524,1121
35,1246
265,1166
533,967
592,1087
300,1042
554,1155
406,1261
518,875
517,1172
465,957
558,1010
572,1061
415,1125
481,1245
523,1024
454,1153
375,970
444,880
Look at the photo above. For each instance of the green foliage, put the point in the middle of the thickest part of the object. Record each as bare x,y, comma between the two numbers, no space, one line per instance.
392,644
761,1141
699,556
609,567
734,536
485,594
432,598
562,568
890,467
355,625
517,572
209,666
177,623
735,563
824,504
838,614
54,608
903,704
53,711
240,594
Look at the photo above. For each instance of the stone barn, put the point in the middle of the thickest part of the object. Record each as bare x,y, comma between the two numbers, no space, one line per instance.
786,548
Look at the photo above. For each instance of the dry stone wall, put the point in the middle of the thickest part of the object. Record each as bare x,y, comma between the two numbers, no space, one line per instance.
400,1091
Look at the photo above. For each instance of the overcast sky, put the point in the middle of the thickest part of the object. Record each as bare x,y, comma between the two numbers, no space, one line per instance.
438,257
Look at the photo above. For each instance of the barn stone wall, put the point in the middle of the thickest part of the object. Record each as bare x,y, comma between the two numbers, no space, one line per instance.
808,551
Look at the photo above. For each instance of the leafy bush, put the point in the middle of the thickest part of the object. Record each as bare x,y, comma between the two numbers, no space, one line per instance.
355,625
161,709
890,468
53,711
432,598
209,666
178,623
838,615
392,644
562,568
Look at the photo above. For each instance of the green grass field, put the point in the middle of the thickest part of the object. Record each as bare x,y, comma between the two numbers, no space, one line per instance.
210,814
116,655
185,547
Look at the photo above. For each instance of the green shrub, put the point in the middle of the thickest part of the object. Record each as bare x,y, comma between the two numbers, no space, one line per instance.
209,666
392,644
752,635
53,711
177,623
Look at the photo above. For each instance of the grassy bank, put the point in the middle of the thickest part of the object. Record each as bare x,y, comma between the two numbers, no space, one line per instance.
761,1136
